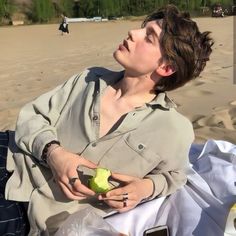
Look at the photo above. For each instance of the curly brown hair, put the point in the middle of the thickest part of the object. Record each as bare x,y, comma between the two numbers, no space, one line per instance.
183,46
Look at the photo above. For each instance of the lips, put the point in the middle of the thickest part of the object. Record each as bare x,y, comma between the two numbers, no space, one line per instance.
126,45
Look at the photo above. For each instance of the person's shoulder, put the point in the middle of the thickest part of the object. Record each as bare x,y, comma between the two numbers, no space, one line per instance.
174,120
179,118
175,125
181,124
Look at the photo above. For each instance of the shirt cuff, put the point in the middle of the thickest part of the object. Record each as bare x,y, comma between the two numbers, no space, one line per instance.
40,142
159,183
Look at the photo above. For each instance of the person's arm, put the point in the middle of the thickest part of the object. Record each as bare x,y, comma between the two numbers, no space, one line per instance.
36,128
170,175
36,122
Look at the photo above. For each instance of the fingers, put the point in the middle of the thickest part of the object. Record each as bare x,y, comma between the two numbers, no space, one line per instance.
69,194
121,206
74,189
118,192
64,168
79,187
124,198
122,203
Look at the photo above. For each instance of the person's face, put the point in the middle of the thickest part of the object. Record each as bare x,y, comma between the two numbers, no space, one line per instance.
140,52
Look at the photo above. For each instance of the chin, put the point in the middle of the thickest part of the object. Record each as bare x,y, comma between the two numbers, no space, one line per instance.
117,55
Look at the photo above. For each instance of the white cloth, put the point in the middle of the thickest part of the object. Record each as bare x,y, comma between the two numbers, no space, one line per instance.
200,208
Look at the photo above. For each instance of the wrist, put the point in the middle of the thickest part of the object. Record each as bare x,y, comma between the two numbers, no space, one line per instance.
52,149
53,153
149,186
48,149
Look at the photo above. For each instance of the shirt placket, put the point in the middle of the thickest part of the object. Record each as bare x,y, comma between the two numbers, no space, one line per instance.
96,111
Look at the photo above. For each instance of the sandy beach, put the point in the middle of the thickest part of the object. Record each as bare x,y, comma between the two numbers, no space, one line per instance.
36,58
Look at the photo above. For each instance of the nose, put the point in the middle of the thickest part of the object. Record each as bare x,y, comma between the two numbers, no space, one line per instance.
130,35
133,34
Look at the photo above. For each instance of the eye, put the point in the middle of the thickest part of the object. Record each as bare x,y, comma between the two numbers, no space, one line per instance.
149,38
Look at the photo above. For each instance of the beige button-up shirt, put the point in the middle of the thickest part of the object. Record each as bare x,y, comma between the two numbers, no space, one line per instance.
152,141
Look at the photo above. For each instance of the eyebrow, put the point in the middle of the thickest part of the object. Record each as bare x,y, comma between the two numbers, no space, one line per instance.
151,30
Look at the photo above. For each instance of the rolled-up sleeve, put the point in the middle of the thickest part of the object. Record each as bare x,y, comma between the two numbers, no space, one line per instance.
170,174
36,122
167,183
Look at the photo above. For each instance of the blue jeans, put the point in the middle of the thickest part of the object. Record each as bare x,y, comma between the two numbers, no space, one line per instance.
13,215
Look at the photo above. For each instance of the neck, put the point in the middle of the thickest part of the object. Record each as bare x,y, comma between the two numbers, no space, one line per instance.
136,90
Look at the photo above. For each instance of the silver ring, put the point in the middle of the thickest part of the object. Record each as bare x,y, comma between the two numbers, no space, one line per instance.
125,203
125,198
72,180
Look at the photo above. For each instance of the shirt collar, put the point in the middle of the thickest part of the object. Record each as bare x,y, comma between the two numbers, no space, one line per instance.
161,99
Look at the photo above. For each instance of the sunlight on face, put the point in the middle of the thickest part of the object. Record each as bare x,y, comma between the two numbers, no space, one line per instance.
140,52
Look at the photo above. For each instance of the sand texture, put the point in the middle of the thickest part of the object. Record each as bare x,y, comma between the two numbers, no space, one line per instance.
34,59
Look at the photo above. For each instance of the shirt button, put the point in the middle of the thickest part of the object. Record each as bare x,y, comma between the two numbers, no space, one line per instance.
140,146
94,144
95,117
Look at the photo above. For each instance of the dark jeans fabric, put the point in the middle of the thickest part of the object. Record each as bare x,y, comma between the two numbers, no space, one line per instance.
13,215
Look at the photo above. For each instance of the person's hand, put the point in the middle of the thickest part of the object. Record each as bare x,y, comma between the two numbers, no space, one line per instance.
64,166
125,198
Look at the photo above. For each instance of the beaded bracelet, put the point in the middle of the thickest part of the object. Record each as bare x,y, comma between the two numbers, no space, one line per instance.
45,150
52,150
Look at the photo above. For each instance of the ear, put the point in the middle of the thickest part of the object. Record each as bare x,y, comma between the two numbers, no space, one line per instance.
165,70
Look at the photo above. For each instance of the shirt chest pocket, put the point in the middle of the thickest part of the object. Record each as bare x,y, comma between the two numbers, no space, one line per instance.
131,157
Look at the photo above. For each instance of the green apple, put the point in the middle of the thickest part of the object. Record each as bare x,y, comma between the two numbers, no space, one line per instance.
99,183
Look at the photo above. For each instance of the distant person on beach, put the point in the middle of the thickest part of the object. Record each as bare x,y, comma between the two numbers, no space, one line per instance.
64,26
123,121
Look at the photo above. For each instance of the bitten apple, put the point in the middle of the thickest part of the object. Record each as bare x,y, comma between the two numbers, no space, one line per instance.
99,183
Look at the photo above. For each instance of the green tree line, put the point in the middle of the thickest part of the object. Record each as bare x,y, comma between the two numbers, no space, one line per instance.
46,10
